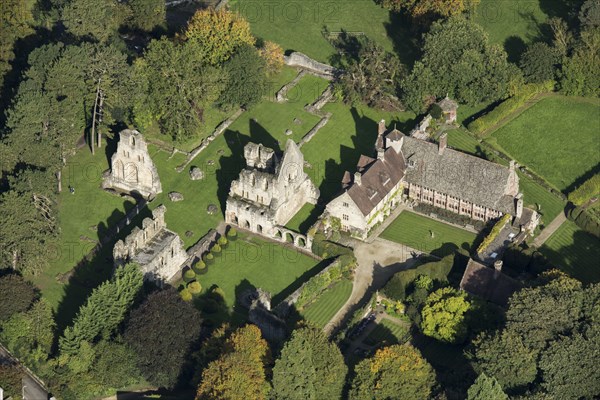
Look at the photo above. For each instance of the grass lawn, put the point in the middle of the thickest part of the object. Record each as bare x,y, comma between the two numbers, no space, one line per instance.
387,331
304,218
415,230
535,195
557,138
252,261
324,308
516,23
299,26
83,218
461,139
574,251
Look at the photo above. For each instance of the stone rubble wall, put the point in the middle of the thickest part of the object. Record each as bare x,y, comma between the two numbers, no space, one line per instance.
280,96
300,60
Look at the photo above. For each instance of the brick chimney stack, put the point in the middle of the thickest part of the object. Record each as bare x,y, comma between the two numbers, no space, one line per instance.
443,143
382,128
357,178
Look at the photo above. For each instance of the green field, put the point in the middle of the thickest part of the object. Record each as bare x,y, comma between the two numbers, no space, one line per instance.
415,230
516,23
300,26
304,218
387,332
251,261
324,308
557,138
539,198
461,139
574,251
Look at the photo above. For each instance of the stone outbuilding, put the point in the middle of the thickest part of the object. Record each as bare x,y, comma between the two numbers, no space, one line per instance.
157,250
132,170
270,191
449,109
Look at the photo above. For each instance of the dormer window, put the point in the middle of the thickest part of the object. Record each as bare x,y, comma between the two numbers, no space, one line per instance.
411,163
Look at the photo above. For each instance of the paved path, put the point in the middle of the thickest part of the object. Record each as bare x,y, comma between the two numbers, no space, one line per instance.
377,263
549,230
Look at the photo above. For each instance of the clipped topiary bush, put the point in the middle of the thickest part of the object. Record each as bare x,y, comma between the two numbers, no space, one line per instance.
199,267
186,295
189,275
232,234
216,248
208,258
223,241
194,287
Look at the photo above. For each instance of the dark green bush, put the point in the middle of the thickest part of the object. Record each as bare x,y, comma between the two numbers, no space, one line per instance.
438,271
585,220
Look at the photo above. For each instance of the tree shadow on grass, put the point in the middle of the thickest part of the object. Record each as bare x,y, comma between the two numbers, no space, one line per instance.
279,297
405,41
94,266
515,47
314,215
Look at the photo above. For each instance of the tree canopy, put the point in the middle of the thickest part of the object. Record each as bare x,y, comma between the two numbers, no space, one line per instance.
240,372
310,367
17,294
167,325
444,315
395,372
458,61
246,78
486,388
217,34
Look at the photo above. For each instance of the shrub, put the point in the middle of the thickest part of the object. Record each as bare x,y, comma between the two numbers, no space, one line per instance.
17,295
494,233
222,241
189,275
320,282
186,295
199,267
584,220
218,294
508,106
216,248
232,234
194,287
588,190
396,287
208,258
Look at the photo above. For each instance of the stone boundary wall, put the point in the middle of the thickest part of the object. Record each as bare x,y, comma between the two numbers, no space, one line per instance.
297,59
206,141
281,94
202,246
310,134
282,309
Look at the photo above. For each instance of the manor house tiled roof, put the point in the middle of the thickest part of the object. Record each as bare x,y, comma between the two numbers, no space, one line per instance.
488,283
457,174
377,180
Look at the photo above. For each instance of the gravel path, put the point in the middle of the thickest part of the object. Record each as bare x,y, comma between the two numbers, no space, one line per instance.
549,230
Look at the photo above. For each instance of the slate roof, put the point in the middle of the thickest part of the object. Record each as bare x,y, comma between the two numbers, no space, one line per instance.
448,105
377,180
457,174
488,283
395,135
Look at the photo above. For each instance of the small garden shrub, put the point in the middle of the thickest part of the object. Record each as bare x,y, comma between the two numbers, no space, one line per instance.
186,295
199,267
396,287
222,241
208,258
194,287
216,249
232,234
189,275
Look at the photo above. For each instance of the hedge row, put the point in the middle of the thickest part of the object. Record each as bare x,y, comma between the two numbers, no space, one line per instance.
587,191
326,249
494,232
585,220
342,269
438,270
526,93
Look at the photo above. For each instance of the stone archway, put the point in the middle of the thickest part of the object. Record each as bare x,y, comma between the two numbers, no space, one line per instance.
289,238
259,229
300,242
278,235
118,170
130,173
246,225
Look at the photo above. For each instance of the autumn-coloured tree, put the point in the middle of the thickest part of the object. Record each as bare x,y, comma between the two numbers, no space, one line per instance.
420,8
273,56
443,316
239,373
218,34
395,372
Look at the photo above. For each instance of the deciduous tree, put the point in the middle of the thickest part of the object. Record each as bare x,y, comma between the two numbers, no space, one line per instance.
217,34
17,294
148,14
167,325
421,8
96,19
310,367
539,62
486,388
246,78
239,373
272,53
395,372
443,316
